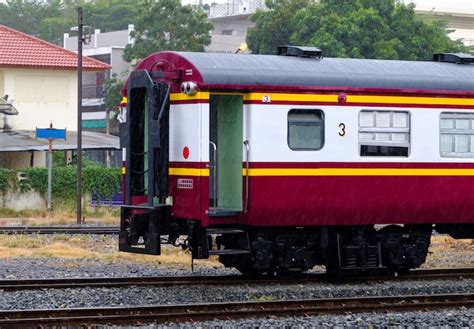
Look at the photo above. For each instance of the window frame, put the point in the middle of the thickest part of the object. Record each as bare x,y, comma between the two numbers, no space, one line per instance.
388,130
454,132
305,111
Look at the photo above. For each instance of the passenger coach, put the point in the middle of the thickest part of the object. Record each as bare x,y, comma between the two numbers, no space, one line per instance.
280,163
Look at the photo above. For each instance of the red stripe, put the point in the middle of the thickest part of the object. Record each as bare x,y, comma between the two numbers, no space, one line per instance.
363,104
183,164
337,90
316,165
404,165
407,105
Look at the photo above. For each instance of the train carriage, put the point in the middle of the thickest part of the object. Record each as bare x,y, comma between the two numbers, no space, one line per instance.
282,162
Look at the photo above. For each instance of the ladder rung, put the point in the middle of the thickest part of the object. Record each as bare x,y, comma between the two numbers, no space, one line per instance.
228,252
211,231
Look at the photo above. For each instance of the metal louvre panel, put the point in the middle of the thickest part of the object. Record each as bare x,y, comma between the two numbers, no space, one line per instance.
457,135
389,128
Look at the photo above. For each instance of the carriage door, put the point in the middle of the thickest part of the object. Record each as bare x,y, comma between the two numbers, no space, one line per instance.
225,152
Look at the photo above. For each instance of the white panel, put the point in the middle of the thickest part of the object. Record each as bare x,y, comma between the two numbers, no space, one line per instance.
366,136
461,144
185,131
462,124
400,120
446,144
400,137
382,120
447,124
366,119
382,137
472,144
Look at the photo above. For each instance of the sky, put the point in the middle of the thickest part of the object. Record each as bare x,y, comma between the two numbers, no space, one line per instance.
450,4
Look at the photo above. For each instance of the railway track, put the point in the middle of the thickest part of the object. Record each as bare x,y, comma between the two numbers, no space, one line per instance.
204,311
107,230
162,281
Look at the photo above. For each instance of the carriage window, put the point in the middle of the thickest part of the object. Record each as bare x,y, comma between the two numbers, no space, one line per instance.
457,135
384,133
305,130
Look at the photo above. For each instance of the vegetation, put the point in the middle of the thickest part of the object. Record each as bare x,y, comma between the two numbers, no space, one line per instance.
159,25
168,25
96,179
48,20
380,29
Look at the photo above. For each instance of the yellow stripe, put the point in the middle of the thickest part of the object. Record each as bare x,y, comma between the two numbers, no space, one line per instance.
360,99
332,172
124,170
410,100
359,172
188,172
292,97
201,95
275,97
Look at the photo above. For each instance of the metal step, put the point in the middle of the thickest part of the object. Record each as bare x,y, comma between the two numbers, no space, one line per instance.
228,252
216,212
211,231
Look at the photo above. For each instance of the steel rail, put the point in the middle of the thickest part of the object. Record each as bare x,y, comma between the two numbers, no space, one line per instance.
163,281
59,230
228,310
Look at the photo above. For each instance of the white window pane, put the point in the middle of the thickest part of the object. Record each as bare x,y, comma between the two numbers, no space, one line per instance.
446,144
472,144
400,120
366,136
447,124
382,137
400,137
382,120
366,119
461,143
462,124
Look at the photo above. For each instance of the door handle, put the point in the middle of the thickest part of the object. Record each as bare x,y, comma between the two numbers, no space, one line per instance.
247,155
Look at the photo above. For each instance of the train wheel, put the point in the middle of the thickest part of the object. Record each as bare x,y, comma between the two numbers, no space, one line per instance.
404,248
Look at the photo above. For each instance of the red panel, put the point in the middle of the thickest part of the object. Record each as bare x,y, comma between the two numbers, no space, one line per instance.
340,200
186,201
360,200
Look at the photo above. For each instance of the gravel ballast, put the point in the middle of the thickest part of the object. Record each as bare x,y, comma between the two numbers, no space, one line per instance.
459,318
91,297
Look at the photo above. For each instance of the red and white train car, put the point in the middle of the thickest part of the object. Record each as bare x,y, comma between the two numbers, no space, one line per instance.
295,160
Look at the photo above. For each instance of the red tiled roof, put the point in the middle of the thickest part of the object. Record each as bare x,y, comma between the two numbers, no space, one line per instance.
19,50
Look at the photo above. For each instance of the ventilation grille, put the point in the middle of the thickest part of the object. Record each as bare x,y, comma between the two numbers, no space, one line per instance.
310,52
457,58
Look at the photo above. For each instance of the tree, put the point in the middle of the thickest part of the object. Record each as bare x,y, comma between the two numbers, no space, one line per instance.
49,20
29,16
167,25
357,28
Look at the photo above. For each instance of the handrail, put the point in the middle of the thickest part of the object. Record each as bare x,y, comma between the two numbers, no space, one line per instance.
214,182
247,148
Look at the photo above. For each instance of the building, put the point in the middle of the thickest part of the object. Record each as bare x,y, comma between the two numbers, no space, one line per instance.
108,48
459,14
41,80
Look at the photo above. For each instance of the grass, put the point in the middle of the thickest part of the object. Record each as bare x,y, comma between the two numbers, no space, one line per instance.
61,215
88,247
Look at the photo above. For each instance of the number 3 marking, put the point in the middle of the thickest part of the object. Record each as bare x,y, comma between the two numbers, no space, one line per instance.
343,129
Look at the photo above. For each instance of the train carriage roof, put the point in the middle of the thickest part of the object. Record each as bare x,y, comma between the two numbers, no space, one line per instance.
273,70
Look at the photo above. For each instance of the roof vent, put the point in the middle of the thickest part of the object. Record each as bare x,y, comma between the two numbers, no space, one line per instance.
457,58
296,51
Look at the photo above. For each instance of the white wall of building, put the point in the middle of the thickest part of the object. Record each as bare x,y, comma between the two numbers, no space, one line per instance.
41,97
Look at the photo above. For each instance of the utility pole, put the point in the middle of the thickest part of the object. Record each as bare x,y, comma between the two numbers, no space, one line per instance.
80,40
